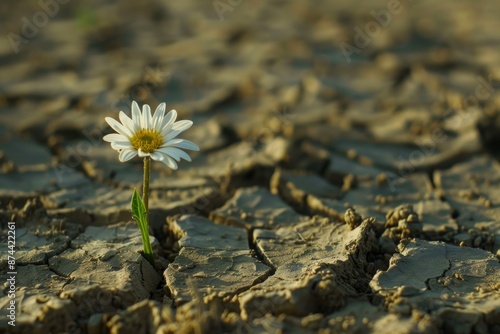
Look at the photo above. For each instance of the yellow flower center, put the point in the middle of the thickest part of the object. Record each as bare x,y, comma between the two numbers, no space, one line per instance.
148,140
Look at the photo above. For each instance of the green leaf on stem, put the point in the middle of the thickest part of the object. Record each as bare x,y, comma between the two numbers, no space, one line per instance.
138,208
140,215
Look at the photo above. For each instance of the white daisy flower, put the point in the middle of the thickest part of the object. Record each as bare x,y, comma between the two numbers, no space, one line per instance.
145,135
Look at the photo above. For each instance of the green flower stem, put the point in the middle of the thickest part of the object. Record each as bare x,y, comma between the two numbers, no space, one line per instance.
148,251
145,184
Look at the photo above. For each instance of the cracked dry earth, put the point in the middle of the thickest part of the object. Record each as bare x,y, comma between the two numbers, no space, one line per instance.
328,196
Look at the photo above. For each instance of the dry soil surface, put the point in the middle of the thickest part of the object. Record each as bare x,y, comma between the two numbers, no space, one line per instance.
348,178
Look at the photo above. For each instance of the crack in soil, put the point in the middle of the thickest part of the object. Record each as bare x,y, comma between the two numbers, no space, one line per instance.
427,281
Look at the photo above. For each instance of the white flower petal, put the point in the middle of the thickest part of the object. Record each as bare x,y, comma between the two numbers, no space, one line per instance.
182,125
126,121
157,156
136,115
158,116
166,130
172,130
181,143
121,145
126,155
169,161
146,117
142,154
168,119
113,123
175,153
170,135
114,137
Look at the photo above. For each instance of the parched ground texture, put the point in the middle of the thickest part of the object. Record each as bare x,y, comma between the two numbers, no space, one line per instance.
348,178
